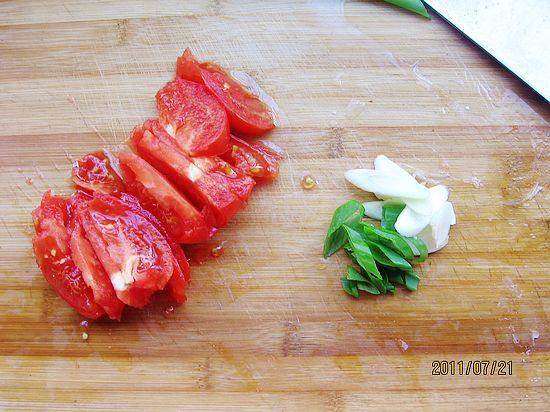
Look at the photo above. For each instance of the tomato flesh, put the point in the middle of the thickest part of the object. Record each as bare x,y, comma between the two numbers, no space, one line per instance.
155,146
136,256
86,260
187,67
181,276
225,176
53,255
193,117
180,218
94,172
247,114
253,159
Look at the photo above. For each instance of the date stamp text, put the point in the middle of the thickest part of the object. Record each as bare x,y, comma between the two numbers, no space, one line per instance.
472,367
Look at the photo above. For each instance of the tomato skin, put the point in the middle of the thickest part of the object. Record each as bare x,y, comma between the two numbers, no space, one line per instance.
187,67
53,256
86,260
136,256
154,145
195,118
247,114
180,218
253,159
94,172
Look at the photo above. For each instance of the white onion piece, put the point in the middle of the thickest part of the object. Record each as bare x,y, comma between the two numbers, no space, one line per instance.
428,237
441,223
436,234
438,196
386,185
383,164
374,209
427,214
409,223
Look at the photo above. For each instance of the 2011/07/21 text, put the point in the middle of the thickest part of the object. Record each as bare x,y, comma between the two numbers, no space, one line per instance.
478,367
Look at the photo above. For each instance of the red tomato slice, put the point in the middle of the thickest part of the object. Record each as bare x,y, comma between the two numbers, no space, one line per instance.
177,284
247,114
153,144
193,117
53,255
226,176
187,67
253,159
133,252
94,172
86,260
181,276
180,218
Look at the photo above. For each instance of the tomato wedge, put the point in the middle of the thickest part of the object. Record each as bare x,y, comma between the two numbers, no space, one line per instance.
86,260
253,159
225,176
94,172
247,113
53,255
180,218
181,276
188,68
153,144
179,280
193,117
133,252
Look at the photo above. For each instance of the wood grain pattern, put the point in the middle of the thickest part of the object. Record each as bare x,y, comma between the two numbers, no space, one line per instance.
267,325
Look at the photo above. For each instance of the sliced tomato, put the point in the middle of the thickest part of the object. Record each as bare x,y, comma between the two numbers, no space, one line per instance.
153,144
181,276
180,218
95,172
193,117
53,255
253,159
136,256
247,113
226,176
187,67
177,284
86,260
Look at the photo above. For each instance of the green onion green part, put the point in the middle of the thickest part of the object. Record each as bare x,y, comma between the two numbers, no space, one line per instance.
384,258
416,6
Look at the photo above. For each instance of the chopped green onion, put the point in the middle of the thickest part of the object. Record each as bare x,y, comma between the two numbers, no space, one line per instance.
350,287
416,6
383,255
350,214
362,252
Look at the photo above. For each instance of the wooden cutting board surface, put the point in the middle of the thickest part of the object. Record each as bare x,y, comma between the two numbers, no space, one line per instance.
267,325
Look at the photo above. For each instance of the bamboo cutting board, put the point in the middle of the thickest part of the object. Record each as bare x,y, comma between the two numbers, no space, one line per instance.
266,325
